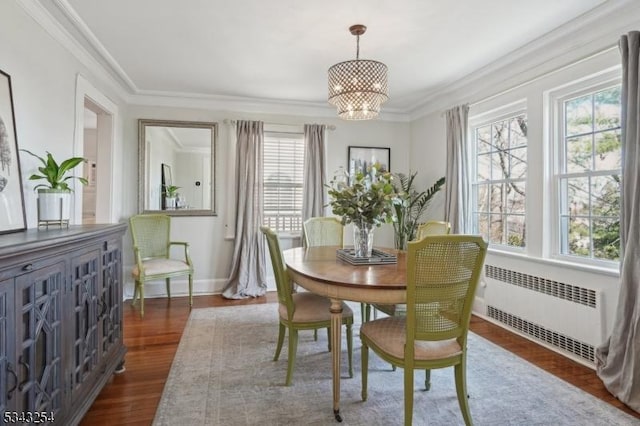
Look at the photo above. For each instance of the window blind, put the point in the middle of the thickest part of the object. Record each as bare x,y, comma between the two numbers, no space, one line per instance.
283,181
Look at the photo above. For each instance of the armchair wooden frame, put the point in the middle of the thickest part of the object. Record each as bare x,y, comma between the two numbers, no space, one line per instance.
151,249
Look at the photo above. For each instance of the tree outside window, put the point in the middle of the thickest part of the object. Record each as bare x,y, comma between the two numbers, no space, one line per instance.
590,175
499,190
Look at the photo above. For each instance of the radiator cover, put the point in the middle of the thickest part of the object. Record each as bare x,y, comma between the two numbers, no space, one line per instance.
565,316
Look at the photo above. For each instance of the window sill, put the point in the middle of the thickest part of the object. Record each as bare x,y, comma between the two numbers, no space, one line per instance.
612,272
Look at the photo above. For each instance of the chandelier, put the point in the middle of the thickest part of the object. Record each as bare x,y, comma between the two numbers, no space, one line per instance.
358,87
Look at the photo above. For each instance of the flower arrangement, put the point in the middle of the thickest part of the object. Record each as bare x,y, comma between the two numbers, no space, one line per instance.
366,198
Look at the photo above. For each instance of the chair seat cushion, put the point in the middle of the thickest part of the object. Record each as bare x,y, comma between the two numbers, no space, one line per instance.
389,335
161,267
310,307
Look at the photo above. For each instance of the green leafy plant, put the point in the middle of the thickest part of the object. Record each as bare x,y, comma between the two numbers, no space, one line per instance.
410,207
367,197
171,191
56,175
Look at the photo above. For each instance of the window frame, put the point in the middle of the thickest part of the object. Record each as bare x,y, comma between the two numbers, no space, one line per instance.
556,99
502,112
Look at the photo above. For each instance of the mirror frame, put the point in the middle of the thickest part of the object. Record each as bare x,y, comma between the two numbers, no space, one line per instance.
142,161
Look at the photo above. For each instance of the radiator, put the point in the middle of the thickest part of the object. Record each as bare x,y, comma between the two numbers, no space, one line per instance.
566,317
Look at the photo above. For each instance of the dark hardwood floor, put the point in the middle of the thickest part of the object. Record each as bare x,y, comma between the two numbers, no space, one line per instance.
131,398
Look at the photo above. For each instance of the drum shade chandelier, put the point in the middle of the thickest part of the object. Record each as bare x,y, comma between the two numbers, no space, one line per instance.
358,87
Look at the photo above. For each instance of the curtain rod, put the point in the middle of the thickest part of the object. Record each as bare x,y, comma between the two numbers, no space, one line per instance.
233,122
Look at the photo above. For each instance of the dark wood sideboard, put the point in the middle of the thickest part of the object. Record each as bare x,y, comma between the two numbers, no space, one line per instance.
61,335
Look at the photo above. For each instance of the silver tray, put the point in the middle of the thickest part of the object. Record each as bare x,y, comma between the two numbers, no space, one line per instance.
378,257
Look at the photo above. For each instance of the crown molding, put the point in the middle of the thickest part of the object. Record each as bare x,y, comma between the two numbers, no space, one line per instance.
89,36
588,35
60,34
248,105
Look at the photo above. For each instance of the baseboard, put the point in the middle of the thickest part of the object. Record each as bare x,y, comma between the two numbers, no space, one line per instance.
178,288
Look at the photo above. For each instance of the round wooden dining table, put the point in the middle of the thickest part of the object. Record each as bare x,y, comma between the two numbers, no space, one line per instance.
319,270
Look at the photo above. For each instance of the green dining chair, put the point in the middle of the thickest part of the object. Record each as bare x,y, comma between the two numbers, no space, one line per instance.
432,227
323,231
442,277
328,231
301,311
151,254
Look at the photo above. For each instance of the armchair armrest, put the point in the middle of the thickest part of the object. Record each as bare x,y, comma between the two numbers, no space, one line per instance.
186,250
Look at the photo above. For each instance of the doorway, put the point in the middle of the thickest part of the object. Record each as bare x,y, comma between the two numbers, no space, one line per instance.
95,141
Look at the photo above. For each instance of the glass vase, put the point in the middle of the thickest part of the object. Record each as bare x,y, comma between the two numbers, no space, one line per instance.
363,239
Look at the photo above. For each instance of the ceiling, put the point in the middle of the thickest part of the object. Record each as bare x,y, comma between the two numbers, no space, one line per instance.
280,50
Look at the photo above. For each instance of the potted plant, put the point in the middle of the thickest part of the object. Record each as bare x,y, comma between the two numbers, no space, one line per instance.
54,193
366,200
410,207
171,195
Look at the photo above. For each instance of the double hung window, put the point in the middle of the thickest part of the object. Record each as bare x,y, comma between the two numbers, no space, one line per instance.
499,179
589,173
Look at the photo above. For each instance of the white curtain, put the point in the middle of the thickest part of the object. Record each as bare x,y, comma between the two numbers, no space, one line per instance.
457,202
618,360
248,274
314,198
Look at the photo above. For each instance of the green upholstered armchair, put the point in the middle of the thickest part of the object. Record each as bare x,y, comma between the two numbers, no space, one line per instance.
300,311
151,251
442,276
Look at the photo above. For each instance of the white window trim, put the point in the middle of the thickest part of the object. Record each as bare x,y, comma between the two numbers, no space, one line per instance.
553,100
483,118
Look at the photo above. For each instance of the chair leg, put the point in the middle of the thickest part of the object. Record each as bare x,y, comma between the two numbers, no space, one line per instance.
350,348
168,283
329,338
280,341
190,290
135,292
408,395
141,295
461,390
293,346
363,313
427,379
365,369
315,334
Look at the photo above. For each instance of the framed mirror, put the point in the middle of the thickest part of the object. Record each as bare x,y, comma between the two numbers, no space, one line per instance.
176,171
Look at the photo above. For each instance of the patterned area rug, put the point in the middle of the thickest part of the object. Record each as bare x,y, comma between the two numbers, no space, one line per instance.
224,374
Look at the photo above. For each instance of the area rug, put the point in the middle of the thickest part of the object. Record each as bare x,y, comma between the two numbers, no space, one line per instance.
224,374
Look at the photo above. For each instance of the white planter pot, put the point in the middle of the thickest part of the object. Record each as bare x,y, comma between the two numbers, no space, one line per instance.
54,205
170,202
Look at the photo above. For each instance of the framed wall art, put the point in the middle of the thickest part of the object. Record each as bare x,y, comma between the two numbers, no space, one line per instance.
362,157
12,215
